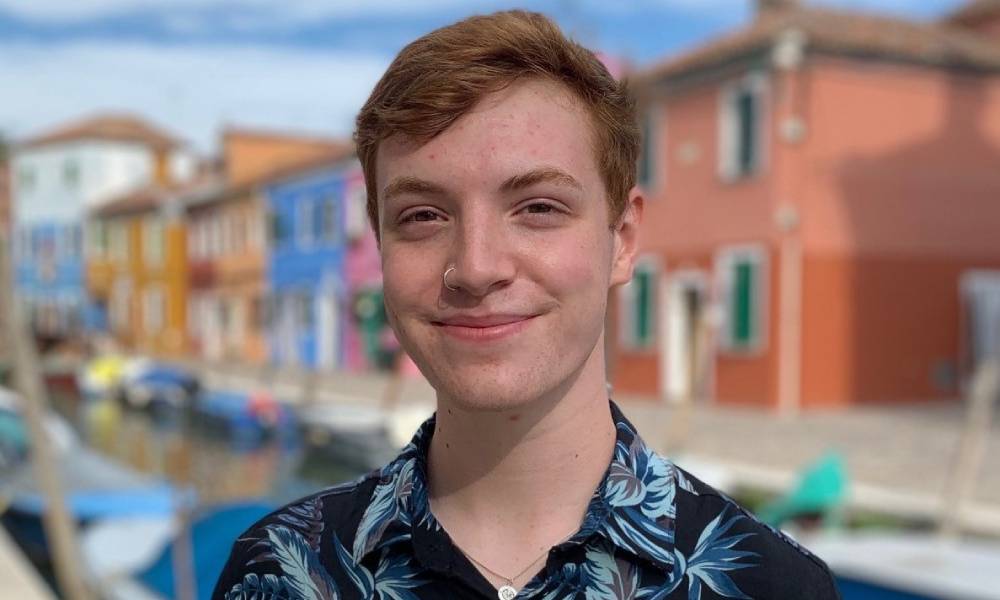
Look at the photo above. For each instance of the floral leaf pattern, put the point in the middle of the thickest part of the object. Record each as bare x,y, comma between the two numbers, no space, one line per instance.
302,571
268,587
626,548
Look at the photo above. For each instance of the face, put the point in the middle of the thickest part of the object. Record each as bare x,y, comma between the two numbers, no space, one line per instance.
508,200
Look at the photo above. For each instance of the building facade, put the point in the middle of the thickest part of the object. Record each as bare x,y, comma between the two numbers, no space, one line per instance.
228,244
137,269
307,254
820,222
57,178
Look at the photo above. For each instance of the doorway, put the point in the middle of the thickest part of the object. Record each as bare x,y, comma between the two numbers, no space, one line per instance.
685,360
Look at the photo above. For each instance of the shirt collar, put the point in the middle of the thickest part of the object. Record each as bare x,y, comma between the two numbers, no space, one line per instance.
633,507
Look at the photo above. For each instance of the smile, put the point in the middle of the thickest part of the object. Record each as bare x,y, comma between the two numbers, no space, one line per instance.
485,329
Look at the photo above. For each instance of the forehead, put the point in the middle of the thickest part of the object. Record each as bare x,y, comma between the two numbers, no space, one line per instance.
528,124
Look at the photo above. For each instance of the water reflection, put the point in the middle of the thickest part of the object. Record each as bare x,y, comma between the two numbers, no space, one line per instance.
176,446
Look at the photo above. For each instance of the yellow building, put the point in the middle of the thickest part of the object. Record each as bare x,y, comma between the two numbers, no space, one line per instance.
137,269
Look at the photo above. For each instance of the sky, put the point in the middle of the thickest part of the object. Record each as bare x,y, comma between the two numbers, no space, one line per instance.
195,66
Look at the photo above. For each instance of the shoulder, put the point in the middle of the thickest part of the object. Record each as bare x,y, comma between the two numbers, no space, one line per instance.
773,565
308,523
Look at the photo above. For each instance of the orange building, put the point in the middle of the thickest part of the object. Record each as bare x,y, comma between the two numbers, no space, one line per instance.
227,243
823,218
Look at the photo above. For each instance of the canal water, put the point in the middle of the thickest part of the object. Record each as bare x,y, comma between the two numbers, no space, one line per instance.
220,469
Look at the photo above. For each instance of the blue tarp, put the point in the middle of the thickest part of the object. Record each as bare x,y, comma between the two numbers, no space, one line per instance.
212,537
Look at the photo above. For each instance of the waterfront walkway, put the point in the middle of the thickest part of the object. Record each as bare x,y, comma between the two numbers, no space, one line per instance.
898,458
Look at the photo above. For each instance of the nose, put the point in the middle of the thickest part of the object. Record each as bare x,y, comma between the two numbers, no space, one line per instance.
482,256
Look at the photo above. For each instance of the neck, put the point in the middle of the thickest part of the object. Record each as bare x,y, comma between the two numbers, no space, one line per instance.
527,472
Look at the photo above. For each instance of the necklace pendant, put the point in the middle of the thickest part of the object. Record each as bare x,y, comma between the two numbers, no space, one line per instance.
506,592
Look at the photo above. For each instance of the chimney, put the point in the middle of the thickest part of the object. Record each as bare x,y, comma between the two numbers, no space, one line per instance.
765,7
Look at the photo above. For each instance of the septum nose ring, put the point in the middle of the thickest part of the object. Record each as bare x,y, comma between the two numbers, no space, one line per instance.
445,278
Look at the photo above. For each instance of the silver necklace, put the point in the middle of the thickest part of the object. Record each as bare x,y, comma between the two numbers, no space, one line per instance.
508,591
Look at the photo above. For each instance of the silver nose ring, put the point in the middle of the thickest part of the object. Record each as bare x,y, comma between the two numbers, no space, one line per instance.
445,278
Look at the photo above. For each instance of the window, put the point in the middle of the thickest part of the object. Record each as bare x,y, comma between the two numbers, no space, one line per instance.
647,176
27,244
26,179
119,241
304,311
97,239
637,303
71,174
119,309
743,283
327,220
304,223
71,242
152,309
152,241
279,229
741,128
214,226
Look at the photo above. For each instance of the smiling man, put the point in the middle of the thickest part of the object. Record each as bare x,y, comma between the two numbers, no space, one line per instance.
499,159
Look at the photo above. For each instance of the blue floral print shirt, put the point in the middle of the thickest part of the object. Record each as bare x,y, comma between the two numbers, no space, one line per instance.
651,532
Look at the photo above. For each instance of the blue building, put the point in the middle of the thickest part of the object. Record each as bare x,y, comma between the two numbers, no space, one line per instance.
309,301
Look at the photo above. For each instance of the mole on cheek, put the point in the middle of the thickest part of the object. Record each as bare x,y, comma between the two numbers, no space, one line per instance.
515,417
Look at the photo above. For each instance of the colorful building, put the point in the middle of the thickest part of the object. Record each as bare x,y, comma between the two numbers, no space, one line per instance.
309,299
821,223
228,239
57,178
137,267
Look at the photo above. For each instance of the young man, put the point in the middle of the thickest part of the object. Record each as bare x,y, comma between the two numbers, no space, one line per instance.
499,159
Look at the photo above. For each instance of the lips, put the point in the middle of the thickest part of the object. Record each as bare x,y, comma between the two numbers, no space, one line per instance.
483,328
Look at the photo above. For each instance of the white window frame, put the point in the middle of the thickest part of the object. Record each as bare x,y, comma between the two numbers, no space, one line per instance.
725,261
627,339
757,84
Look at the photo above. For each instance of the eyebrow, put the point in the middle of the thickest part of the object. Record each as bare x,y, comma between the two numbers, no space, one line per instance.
414,185
411,185
540,175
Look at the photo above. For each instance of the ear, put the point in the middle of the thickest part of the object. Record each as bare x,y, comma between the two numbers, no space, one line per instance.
626,238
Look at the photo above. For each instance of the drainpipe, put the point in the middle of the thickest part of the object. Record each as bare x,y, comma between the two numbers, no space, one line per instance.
788,55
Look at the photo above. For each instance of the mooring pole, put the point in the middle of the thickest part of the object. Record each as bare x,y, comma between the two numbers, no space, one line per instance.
961,486
60,530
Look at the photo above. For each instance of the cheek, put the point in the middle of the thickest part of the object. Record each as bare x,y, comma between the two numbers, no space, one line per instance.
580,267
405,281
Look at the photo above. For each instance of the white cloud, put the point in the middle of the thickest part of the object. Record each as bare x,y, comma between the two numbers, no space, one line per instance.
190,90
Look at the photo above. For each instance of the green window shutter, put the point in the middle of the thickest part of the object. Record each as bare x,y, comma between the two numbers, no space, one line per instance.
746,110
742,322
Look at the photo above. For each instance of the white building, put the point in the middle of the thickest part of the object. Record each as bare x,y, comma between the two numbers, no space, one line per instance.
56,178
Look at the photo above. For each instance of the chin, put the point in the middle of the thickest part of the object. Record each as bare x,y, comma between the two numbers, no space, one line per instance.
490,390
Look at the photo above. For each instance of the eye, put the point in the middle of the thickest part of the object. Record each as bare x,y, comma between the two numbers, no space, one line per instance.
539,208
420,216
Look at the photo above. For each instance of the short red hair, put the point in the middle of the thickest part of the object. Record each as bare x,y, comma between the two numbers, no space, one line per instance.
442,75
